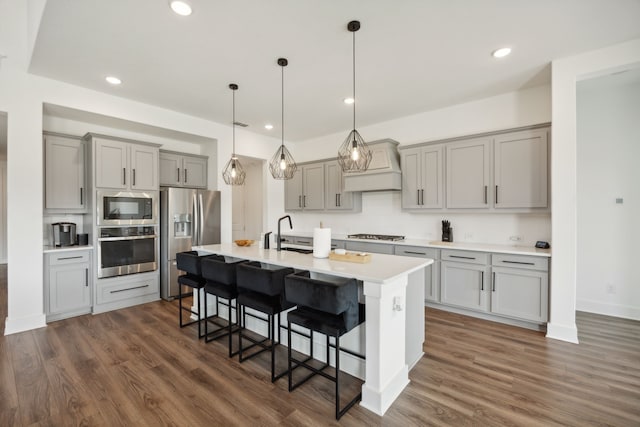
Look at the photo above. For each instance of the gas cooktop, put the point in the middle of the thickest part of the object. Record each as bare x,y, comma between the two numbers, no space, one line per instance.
375,237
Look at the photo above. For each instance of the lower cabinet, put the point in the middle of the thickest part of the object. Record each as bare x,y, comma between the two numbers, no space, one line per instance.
67,283
126,291
518,287
431,275
376,248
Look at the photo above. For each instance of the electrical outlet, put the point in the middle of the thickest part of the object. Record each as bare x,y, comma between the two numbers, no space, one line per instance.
611,288
515,238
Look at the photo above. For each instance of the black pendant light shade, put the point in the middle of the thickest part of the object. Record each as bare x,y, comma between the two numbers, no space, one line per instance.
282,165
354,155
233,173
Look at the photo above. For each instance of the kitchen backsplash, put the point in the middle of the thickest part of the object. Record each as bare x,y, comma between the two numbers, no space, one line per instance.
382,214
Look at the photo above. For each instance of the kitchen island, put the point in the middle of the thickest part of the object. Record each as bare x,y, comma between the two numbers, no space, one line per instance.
393,289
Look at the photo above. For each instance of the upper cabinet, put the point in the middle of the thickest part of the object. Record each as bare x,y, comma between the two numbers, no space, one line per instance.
520,169
468,174
65,176
125,165
305,191
336,199
499,171
422,177
181,170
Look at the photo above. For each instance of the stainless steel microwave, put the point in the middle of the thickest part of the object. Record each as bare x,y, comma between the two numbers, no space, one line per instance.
127,208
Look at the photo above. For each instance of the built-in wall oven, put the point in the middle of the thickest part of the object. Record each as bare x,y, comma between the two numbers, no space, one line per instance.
126,208
127,250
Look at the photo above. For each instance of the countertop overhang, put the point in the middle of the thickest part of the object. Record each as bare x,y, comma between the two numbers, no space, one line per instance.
381,269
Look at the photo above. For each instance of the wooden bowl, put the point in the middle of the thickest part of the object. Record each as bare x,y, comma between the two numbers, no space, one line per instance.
244,242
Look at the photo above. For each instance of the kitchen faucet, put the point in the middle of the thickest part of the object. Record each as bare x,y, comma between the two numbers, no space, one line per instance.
290,226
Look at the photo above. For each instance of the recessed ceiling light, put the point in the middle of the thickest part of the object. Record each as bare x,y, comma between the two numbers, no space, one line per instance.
502,52
349,101
181,7
268,126
113,80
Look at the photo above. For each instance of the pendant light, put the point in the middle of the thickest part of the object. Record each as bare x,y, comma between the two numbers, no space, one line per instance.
354,155
233,173
282,165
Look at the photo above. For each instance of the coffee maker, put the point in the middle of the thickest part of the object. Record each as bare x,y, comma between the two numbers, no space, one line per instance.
64,234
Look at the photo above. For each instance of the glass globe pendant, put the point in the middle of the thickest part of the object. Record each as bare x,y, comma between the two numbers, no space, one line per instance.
233,173
282,165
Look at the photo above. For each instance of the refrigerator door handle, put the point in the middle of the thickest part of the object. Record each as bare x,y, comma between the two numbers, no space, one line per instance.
196,222
201,219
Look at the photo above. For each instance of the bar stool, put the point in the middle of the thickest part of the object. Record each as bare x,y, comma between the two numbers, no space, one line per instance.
221,282
328,307
262,289
190,263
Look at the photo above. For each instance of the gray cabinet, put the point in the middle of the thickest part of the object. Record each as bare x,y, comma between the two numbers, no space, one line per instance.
125,165
468,174
336,198
423,177
520,169
462,283
65,177
68,284
520,287
431,276
178,170
305,191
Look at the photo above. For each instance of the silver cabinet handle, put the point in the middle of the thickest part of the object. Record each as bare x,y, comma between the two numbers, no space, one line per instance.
134,177
129,289
178,175
185,175
482,280
415,253
69,257
496,194
299,201
494,281
81,195
337,203
485,194
304,201
339,199
422,196
124,176
86,277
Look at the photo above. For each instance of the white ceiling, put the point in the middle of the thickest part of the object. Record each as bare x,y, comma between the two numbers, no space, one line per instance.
412,55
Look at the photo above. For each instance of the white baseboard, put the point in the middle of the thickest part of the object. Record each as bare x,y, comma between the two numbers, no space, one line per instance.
608,309
14,326
562,332
378,401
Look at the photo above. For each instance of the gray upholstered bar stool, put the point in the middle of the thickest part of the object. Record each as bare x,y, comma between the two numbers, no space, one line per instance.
221,282
261,288
191,263
328,307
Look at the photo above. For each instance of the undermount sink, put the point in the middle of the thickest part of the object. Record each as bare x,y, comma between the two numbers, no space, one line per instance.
299,250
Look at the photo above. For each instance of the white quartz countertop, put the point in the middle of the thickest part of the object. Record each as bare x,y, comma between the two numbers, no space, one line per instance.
381,269
48,249
461,246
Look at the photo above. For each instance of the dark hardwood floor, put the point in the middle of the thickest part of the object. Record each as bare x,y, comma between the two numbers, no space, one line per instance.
135,367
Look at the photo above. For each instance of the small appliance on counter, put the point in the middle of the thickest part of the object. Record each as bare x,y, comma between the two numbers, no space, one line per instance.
447,231
64,234
82,239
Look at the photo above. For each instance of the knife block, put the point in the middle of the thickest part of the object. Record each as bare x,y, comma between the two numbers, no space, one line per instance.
447,234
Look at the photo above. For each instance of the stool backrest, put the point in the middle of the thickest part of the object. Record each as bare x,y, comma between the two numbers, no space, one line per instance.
217,270
333,297
253,277
189,262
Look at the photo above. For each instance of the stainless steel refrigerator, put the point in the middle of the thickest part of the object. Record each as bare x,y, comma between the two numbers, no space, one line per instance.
188,218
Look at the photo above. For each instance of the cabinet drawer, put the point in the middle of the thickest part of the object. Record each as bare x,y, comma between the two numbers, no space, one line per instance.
338,244
465,256
416,251
520,261
68,257
124,290
377,248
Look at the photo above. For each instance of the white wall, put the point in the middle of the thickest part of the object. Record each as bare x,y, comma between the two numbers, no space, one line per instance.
23,97
381,211
608,154
565,73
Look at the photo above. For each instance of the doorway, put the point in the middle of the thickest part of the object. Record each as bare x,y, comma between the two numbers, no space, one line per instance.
248,202
608,195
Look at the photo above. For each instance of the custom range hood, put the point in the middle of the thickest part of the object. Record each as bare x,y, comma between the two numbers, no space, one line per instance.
384,170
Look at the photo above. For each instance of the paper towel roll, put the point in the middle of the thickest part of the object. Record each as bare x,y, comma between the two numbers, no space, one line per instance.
321,242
